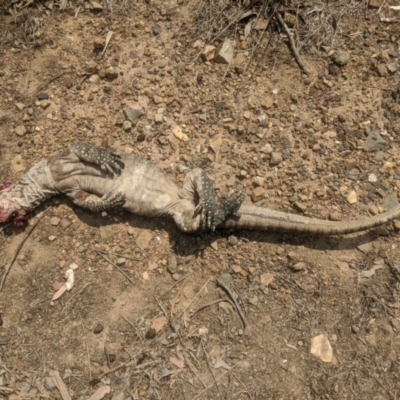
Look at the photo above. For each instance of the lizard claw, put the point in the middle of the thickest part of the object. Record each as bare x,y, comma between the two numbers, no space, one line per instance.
111,162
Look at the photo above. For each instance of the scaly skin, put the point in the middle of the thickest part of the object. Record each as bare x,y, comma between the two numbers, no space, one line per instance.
98,179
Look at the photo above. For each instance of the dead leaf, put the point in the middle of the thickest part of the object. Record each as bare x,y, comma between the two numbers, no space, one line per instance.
321,348
158,323
177,362
100,393
59,292
247,29
221,364
57,285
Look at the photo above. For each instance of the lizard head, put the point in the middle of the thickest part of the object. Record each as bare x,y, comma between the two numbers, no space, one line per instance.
9,210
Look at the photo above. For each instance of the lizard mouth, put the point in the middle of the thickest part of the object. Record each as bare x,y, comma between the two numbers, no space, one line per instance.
9,211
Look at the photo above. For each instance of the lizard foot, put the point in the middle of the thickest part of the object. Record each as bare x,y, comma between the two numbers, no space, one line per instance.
228,206
108,161
108,201
207,206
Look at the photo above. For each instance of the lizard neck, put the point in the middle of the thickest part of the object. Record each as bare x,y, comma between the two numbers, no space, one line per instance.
36,186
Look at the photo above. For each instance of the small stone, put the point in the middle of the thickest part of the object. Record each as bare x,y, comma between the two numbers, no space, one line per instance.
257,194
298,266
300,206
133,113
127,125
176,277
381,70
208,53
293,107
240,58
172,264
372,178
98,44
214,245
393,67
335,216
94,79
96,6
225,149
352,197
143,239
292,255
158,118
225,53
54,221
268,102
45,104
98,329
340,58
375,142
52,238
266,279
276,158
111,73
121,261
233,240
42,96
20,130
237,269
20,106
353,174
231,181
157,99
267,149
65,223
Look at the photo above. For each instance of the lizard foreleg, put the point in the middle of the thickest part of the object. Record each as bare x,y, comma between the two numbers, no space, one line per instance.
107,160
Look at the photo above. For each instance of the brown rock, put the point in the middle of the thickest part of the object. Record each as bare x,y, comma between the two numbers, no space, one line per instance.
257,194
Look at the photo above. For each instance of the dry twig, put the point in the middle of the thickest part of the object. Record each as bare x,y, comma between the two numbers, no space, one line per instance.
239,310
116,266
292,44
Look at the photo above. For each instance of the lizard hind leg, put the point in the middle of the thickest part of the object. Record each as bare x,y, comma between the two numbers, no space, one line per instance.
199,190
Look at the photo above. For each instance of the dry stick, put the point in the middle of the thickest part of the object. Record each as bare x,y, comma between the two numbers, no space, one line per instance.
212,384
8,267
118,268
209,367
212,303
55,376
292,44
239,310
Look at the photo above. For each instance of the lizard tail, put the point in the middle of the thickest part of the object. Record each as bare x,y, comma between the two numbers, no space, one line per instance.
257,218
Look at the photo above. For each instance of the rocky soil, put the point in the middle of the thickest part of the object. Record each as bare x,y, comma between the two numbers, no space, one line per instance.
134,77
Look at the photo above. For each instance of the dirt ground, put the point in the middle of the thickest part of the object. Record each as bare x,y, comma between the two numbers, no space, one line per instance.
133,321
